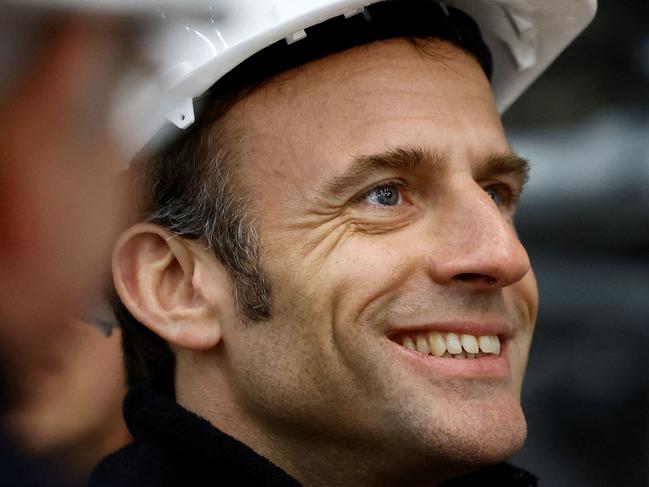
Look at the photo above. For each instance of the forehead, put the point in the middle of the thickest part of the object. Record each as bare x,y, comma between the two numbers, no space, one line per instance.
308,123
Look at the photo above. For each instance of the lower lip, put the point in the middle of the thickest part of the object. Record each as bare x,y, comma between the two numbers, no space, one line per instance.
490,367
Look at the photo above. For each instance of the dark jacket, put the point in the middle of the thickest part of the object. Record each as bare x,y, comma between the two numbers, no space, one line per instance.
18,470
174,447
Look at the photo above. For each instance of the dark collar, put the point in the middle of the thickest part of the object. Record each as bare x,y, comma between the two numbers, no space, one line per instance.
174,446
501,475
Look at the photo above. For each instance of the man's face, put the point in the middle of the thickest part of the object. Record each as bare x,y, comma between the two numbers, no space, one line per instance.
384,191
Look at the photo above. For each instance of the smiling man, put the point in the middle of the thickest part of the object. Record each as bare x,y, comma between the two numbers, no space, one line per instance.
326,287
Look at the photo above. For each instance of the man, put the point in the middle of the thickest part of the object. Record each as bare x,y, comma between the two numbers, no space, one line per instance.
326,287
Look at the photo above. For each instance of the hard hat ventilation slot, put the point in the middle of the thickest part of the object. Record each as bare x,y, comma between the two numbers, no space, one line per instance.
183,116
296,36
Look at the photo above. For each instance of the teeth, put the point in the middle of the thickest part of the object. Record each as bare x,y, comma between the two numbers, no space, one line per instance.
489,344
436,343
485,343
453,345
469,343
496,344
422,344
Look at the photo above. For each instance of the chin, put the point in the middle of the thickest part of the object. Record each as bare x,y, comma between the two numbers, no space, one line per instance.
468,434
501,447
493,440
465,447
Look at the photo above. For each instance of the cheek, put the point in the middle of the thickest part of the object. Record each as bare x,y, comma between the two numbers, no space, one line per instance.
526,294
370,265
368,275
522,299
320,305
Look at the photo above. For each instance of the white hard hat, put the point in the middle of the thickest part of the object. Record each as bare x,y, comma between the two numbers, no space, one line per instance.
192,52
191,44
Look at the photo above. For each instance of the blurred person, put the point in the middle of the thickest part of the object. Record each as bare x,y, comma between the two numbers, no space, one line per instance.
61,201
326,286
66,403
62,198
61,153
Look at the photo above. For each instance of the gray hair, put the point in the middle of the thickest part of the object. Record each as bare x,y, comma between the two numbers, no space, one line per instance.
191,190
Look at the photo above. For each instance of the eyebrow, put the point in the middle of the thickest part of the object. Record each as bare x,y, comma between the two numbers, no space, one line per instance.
408,158
507,163
399,158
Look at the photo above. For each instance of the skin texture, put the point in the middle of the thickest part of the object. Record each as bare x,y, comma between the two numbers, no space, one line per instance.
319,388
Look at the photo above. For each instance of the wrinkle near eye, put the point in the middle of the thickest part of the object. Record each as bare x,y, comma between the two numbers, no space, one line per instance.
323,235
322,242
317,231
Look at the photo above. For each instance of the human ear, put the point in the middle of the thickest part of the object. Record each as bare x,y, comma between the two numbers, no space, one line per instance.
161,279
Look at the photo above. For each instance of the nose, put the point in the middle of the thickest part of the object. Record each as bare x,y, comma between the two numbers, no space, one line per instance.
476,244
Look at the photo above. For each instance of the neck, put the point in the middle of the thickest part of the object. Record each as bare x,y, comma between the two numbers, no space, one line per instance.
312,458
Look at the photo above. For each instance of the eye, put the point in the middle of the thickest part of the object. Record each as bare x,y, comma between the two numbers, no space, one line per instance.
387,194
493,193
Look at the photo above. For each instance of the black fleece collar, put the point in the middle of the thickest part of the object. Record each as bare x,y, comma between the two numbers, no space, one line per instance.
175,447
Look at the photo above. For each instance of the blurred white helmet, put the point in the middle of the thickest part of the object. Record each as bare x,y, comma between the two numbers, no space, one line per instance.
25,24
113,7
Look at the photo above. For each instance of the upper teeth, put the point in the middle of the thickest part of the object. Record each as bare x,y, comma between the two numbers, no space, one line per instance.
439,344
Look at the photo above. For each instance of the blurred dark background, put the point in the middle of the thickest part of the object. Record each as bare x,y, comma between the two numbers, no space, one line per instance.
585,221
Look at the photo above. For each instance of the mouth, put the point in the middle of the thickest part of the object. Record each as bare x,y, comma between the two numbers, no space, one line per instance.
478,354
451,345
